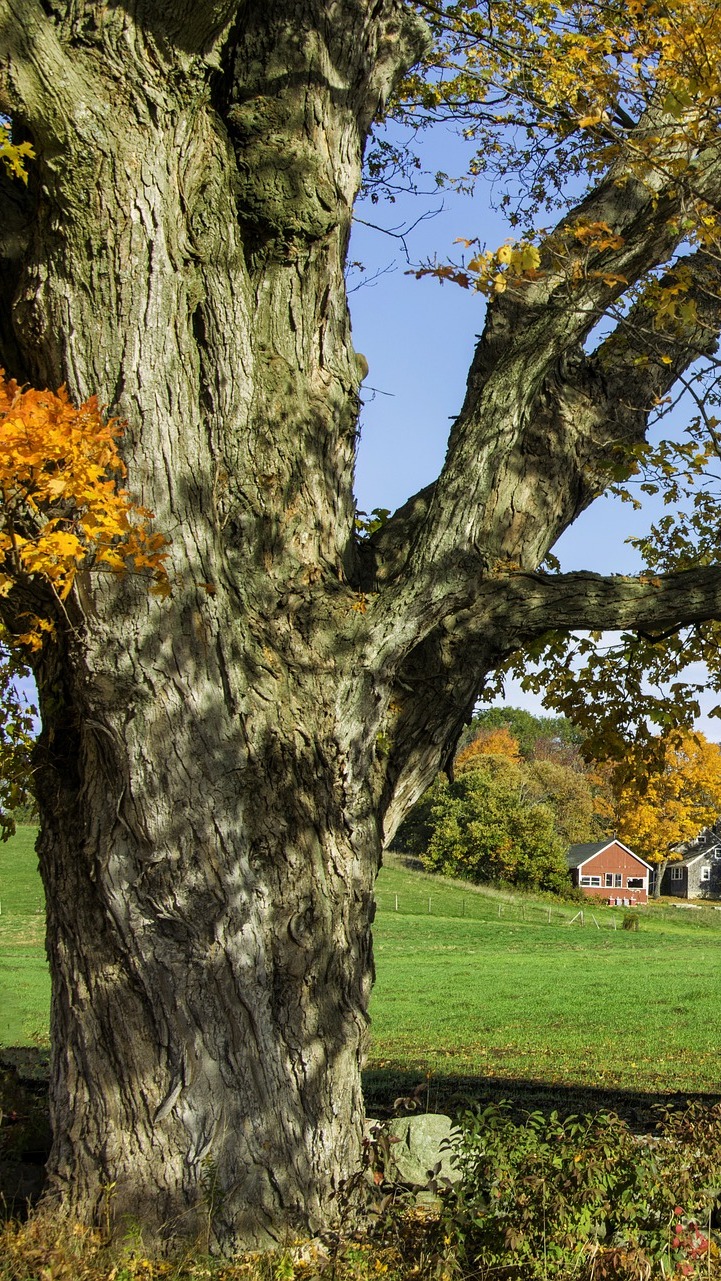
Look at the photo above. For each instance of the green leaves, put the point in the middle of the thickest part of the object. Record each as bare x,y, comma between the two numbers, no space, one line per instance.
483,827
581,1196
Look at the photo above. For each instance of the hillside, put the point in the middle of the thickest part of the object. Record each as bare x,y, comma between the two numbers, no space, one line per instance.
496,985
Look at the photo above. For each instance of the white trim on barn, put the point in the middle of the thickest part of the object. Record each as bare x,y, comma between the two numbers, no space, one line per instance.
603,849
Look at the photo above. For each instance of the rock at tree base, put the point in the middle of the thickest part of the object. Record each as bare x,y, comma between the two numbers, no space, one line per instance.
423,1141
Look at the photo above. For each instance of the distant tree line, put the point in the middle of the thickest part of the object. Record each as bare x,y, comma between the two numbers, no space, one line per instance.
519,795
521,792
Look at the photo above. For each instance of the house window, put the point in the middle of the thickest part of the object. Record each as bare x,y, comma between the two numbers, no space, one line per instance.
608,880
617,880
635,882
591,880
705,873
677,873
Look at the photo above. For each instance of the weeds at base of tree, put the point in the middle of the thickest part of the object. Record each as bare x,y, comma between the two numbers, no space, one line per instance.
42,1249
580,1198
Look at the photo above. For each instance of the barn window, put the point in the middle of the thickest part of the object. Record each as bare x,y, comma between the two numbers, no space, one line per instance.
617,880
591,880
676,873
635,882
608,880
705,873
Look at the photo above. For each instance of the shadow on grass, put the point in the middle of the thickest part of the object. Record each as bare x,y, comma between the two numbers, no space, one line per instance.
451,1094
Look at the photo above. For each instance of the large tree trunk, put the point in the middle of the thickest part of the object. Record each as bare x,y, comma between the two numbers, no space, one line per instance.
209,804
209,910
219,771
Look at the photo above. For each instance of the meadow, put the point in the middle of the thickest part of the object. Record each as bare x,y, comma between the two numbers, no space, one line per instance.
478,983
496,984
24,982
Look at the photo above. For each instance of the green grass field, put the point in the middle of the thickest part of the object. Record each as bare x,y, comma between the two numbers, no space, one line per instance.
483,984
24,983
505,991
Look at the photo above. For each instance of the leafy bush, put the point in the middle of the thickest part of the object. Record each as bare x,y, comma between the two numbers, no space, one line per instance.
483,828
584,1197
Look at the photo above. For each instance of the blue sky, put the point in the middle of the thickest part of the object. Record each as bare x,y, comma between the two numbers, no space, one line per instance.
418,338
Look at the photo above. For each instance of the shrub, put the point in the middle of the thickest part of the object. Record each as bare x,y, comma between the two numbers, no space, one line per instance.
631,921
584,1197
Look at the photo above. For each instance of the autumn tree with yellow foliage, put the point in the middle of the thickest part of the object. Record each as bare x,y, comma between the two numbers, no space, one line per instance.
63,512
219,771
498,741
678,802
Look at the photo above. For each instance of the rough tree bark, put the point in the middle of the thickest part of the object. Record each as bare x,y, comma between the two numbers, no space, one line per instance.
660,872
219,772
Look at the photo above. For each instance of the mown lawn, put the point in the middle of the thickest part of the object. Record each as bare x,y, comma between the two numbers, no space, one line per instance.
493,988
24,982
485,984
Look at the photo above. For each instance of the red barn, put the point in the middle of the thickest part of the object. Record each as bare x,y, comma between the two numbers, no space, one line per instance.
610,870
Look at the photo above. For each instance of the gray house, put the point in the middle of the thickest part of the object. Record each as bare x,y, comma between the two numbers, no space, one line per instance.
698,873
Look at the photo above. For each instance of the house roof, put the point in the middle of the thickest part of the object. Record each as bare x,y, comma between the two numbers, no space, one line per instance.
710,854
706,842
580,854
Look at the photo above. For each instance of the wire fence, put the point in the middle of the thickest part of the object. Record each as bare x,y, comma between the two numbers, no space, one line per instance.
480,908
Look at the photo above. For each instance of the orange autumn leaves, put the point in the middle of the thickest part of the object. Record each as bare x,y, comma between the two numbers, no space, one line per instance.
61,507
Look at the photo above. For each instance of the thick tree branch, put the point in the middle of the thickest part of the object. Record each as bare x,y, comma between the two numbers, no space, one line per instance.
530,604
39,82
438,682
532,332
617,386
644,356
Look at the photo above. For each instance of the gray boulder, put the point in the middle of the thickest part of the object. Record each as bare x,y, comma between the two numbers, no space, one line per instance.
423,1141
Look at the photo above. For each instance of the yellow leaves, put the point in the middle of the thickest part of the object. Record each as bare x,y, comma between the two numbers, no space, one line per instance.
588,122
14,156
517,263
61,508
162,588
679,801
596,235
559,92
667,299
497,741
677,101
490,271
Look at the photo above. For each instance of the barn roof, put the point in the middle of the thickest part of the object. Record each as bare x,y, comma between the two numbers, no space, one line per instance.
580,854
